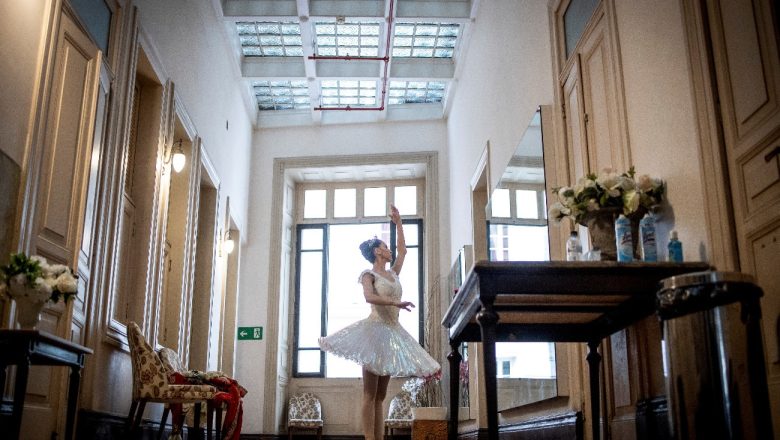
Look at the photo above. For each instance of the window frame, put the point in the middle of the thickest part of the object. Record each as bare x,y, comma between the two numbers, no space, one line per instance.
300,223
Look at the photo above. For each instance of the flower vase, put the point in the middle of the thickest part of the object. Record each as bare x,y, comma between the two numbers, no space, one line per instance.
28,309
601,228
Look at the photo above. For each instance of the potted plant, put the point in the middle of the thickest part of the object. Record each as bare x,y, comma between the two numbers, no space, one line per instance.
597,200
32,282
426,397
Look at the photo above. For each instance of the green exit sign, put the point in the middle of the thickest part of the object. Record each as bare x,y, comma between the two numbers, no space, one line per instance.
245,333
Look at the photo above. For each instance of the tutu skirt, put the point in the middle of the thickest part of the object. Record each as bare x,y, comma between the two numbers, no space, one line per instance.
383,348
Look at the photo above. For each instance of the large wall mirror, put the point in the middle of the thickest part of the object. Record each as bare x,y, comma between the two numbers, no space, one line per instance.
517,231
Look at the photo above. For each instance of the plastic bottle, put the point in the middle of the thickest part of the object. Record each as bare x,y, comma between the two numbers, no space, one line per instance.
573,247
647,233
675,248
623,239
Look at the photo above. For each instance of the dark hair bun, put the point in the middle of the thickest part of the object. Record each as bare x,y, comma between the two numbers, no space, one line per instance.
367,248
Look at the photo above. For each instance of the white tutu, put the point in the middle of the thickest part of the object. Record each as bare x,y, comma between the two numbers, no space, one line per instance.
379,343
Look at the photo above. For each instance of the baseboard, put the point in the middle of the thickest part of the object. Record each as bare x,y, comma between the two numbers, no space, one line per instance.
99,426
567,426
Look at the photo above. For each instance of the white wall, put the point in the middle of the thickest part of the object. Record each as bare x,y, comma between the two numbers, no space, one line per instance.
196,54
661,120
506,76
379,138
22,25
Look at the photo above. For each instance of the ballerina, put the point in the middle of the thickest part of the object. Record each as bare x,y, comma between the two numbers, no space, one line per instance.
379,343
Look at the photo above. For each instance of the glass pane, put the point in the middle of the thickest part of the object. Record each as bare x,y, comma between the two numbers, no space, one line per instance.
528,360
311,239
574,21
499,203
310,305
406,199
374,202
526,204
518,243
410,234
345,202
314,203
309,361
410,281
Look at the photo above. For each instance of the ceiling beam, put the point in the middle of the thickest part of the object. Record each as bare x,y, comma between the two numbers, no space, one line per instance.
273,67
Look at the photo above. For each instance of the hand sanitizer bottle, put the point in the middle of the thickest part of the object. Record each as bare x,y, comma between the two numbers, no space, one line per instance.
675,248
647,233
623,240
573,247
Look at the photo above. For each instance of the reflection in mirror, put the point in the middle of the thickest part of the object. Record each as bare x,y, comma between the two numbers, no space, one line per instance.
517,231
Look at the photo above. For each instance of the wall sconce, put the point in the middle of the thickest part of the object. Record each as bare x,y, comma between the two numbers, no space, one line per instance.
228,244
178,159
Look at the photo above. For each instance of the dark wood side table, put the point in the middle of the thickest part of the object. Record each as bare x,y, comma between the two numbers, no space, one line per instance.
551,301
24,348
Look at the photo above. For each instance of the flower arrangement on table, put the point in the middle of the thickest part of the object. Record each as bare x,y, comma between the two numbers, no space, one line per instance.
33,278
608,189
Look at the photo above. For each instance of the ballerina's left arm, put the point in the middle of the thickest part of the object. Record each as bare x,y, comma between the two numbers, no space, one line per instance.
400,241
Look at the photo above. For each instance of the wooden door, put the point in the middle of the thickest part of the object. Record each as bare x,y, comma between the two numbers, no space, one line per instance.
747,68
60,204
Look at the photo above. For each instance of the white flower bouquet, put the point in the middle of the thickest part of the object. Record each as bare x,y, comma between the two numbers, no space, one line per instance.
607,190
34,278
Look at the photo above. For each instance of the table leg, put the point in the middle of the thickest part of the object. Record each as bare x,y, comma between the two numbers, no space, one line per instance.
73,401
454,357
20,390
594,359
487,319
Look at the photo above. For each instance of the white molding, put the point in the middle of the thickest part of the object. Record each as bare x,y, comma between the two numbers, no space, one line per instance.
272,375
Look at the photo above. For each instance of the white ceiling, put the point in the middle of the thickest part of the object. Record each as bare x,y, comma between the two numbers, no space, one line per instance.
301,68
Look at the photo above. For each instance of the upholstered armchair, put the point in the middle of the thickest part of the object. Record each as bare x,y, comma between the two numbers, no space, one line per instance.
400,414
305,412
151,383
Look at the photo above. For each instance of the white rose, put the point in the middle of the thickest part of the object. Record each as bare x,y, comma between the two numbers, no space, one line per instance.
593,205
66,283
644,183
42,286
555,212
41,261
608,180
626,183
54,270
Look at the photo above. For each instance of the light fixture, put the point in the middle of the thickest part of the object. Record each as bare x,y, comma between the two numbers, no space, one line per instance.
179,159
228,244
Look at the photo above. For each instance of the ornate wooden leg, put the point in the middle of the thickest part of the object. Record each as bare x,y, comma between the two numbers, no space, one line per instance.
20,390
594,359
454,358
487,319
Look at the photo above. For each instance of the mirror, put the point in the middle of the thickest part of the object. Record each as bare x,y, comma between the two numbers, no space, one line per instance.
517,231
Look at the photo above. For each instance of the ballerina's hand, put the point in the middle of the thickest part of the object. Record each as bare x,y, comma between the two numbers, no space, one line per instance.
395,216
406,305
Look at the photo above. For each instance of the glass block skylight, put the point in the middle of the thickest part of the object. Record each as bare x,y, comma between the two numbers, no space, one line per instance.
270,39
415,92
347,39
281,95
425,40
342,93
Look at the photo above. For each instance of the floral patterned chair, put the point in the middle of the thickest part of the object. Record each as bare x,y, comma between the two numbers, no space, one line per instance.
151,383
305,412
400,414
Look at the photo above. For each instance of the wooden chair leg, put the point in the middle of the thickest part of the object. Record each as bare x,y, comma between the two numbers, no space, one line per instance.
319,433
198,432
289,432
209,419
138,415
164,420
131,416
219,422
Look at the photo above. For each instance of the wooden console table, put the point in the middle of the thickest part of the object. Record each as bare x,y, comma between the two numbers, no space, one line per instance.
550,301
24,348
